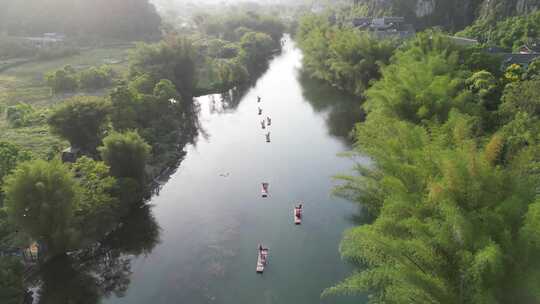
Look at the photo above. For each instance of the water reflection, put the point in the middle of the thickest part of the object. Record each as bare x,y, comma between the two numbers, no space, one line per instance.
190,129
103,270
227,102
344,110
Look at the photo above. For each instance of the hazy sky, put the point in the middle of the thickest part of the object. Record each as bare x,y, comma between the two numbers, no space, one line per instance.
173,3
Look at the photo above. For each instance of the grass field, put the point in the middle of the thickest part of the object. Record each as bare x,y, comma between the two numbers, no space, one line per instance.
26,83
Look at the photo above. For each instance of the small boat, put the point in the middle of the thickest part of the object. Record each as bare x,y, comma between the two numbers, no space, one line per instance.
263,124
269,121
260,111
264,190
262,259
268,137
297,214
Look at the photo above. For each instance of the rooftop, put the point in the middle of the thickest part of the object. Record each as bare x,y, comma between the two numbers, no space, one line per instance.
516,58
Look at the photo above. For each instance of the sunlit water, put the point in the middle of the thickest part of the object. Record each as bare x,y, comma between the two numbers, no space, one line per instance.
212,215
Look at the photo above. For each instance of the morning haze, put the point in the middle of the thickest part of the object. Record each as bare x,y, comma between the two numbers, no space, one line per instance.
366,151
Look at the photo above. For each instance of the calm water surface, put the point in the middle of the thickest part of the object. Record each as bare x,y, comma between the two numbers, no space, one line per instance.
210,224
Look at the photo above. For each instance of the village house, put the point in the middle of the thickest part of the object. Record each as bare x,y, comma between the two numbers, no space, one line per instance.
523,57
385,27
518,58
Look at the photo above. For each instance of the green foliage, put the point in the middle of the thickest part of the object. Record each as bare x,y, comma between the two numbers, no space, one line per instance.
96,78
521,97
172,59
452,183
143,83
63,80
69,80
19,114
10,156
40,198
533,70
255,48
477,59
231,73
514,73
233,27
11,281
81,120
97,211
446,216
23,115
510,33
422,84
124,106
344,57
126,154
486,88
160,118
235,50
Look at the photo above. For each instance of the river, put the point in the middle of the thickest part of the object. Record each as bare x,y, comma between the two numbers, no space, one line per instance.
197,243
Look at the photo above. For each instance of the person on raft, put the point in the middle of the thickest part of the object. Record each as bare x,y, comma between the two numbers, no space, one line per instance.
263,257
298,210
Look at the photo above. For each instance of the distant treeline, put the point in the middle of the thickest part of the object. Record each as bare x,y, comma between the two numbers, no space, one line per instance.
119,19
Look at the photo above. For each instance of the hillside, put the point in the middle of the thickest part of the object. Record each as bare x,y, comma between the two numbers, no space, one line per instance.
118,19
452,15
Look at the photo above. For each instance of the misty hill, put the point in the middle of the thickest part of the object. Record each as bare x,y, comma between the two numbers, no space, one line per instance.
451,14
119,19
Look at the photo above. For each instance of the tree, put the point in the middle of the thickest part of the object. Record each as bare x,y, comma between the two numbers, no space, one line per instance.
165,91
96,78
533,70
420,86
454,204
11,280
521,97
124,107
81,121
511,33
97,211
448,217
255,48
126,154
63,80
10,156
19,115
172,59
41,198
143,84
344,57
355,59
514,73
231,73
484,85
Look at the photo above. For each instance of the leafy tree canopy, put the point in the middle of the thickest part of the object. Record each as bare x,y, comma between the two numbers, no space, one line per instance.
81,120
126,154
41,198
